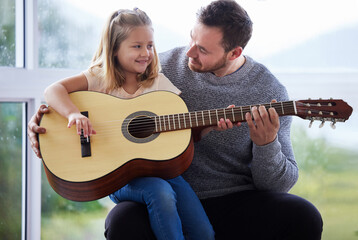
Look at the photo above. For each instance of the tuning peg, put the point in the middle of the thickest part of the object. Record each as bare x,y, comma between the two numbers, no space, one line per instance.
322,124
311,122
333,124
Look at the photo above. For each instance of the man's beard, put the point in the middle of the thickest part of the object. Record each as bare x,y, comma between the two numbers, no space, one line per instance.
217,66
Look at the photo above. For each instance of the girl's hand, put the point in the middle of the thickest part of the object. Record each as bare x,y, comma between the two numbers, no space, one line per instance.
82,122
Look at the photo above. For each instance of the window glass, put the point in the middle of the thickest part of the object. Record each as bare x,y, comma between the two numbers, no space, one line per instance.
68,36
305,35
67,219
10,169
7,33
69,31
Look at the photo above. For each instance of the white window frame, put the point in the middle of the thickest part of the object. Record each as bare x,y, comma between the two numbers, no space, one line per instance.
25,83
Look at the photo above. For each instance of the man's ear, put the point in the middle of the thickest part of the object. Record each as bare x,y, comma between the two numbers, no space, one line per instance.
235,53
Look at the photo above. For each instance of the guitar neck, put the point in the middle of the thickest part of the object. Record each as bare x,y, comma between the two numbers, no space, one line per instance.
208,118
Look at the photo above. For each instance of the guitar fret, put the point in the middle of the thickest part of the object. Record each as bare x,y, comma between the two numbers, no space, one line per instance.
173,122
209,117
294,107
217,117
233,115
172,116
164,124
242,114
202,115
184,120
156,125
169,122
160,124
225,114
196,118
179,120
283,112
191,125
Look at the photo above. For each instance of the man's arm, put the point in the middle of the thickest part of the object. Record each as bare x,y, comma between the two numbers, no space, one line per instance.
33,129
273,165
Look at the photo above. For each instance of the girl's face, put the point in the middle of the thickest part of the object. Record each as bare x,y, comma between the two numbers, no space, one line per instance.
136,52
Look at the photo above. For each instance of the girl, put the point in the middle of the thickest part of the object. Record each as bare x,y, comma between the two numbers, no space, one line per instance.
126,65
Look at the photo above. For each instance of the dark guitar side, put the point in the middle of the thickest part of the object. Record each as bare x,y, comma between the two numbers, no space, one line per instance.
99,188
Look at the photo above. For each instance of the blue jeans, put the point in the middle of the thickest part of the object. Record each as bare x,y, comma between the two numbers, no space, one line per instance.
174,209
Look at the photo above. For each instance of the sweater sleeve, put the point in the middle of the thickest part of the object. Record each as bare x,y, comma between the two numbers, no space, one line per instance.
273,165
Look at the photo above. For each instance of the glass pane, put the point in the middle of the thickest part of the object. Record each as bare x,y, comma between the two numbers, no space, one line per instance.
329,180
70,30
10,170
68,36
7,33
285,41
71,220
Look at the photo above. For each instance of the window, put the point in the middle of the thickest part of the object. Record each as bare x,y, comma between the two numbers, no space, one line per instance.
7,33
11,115
68,35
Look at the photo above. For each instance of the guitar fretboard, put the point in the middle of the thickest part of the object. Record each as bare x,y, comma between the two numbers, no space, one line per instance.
208,118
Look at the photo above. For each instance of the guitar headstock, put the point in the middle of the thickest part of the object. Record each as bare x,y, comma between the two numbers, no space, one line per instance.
333,110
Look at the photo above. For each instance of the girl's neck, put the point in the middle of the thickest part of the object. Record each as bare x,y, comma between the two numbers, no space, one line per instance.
131,85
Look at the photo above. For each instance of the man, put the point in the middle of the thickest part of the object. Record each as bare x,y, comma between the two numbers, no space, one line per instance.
241,175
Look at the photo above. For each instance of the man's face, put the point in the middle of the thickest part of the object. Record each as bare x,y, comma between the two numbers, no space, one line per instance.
206,53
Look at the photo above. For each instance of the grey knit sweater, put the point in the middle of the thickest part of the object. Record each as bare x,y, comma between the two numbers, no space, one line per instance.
228,161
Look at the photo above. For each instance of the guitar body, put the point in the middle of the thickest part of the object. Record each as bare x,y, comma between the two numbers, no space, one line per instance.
115,155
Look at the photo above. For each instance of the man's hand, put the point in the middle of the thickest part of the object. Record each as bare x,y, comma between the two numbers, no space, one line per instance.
222,125
264,126
33,129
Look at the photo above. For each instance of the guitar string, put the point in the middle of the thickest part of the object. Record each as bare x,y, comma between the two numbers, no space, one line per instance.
242,110
149,121
237,111
147,124
173,119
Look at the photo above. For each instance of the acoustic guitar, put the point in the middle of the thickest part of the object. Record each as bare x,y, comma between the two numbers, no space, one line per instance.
149,135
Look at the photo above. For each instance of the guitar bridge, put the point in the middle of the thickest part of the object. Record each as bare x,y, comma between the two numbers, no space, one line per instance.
85,141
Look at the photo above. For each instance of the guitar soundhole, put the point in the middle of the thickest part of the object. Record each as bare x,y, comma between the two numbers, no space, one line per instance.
141,127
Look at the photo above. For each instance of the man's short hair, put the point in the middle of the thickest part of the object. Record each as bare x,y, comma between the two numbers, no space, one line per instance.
231,19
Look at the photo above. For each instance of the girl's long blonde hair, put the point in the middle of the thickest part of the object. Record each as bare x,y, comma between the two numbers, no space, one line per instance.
118,27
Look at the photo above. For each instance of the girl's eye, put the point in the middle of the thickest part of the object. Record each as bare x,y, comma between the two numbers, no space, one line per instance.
137,46
150,46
